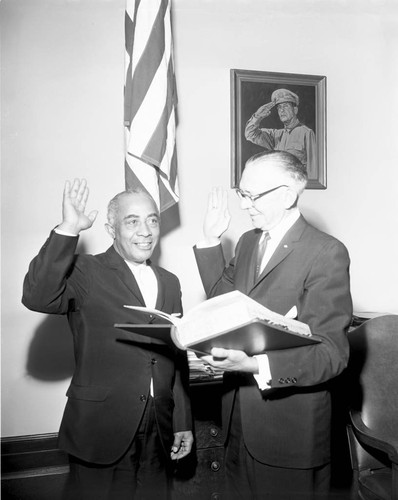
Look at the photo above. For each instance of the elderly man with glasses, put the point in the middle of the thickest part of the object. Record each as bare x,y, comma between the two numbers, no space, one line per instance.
277,405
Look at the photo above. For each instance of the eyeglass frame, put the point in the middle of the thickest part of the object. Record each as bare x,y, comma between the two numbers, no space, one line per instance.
255,197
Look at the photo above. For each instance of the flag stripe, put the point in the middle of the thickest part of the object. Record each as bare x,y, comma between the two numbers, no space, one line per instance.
147,55
150,89
147,177
144,122
129,24
167,198
131,178
173,171
150,100
156,145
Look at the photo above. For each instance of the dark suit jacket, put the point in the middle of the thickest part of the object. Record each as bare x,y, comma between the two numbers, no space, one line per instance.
111,381
289,425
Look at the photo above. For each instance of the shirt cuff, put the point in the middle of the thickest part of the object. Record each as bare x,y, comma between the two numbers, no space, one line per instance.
204,244
64,233
263,377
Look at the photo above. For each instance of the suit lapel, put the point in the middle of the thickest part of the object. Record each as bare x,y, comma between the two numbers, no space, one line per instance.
251,275
161,287
285,247
117,263
245,261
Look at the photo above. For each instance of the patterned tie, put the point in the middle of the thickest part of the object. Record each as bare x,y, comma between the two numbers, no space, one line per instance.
260,252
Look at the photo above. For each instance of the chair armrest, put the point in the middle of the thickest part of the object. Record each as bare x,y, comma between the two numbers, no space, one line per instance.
368,437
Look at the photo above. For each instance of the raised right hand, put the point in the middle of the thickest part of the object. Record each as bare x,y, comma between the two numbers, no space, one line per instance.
74,203
217,216
265,110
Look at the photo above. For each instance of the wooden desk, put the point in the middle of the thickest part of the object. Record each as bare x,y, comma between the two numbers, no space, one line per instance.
200,475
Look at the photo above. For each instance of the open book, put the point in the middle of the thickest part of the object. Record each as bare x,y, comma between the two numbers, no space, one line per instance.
232,321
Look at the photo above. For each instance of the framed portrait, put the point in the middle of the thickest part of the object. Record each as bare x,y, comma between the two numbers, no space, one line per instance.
279,111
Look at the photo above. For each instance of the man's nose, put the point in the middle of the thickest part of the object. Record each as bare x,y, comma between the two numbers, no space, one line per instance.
144,229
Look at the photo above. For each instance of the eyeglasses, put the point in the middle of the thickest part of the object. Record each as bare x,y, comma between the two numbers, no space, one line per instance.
252,198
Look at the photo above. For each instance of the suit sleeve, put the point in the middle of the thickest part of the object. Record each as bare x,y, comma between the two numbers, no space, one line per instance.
261,136
47,286
216,278
182,416
325,305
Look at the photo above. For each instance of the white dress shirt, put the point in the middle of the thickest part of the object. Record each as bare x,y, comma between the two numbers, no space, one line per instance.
148,284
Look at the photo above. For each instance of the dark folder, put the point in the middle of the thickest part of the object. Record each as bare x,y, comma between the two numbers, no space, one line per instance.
255,337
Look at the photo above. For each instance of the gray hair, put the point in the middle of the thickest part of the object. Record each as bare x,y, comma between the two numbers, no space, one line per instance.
113,205
287,162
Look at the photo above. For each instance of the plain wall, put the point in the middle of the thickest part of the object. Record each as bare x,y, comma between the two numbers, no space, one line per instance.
62,117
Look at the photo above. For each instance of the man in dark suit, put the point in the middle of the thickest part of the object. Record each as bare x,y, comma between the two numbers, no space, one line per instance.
277,406
128,409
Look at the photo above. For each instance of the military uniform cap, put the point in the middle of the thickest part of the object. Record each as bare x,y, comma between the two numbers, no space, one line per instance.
284,95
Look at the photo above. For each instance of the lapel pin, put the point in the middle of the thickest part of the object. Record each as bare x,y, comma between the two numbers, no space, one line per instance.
284,246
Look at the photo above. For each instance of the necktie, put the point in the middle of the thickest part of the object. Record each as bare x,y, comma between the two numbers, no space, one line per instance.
260,252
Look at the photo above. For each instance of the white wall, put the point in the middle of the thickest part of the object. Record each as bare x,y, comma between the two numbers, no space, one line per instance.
62,98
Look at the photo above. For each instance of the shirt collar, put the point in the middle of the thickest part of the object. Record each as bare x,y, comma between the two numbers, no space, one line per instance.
279,231
295,123
135,267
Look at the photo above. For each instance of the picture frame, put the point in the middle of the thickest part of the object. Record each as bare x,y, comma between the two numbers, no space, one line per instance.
250,91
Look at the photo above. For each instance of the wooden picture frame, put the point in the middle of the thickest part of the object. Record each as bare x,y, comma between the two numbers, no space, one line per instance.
250,90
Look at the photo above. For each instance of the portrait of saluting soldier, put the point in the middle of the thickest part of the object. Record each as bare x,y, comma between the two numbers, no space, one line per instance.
293,137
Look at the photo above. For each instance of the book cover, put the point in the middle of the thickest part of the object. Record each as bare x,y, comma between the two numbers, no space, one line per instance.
254,337
231,321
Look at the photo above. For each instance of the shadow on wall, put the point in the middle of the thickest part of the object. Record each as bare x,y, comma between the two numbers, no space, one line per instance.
50,355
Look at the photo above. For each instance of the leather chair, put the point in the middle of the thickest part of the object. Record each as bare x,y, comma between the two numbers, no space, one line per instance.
372,376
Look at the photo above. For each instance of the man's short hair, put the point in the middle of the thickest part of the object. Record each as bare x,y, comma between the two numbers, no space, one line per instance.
287,162
113,205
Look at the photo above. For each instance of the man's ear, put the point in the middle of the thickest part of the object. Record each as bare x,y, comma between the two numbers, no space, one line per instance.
291,198
110,230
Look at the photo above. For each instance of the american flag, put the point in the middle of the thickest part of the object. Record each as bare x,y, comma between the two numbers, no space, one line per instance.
150,101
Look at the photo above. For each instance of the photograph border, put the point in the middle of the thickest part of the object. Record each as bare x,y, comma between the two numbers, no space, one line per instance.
240,77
